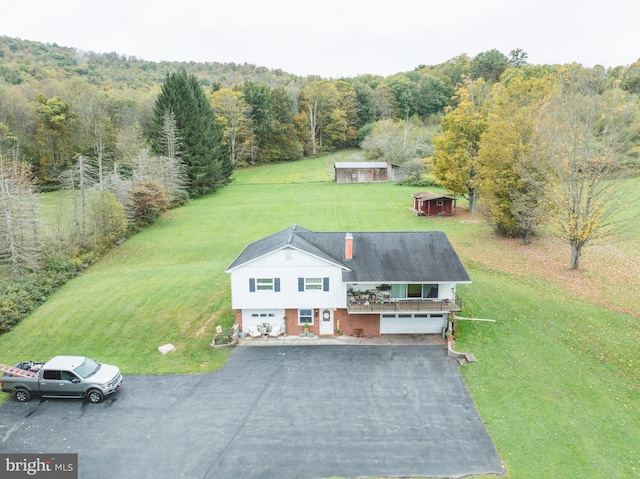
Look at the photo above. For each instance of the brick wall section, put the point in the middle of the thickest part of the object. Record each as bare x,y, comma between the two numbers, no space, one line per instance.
369,323
292,323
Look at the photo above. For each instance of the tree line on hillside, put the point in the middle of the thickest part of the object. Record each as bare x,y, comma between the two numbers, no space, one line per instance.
56,103
126,146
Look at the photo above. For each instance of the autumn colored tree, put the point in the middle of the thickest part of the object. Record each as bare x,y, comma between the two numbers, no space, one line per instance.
53,135
20,120
512,199
456,159
325,124
347,105
385,101
108,218
580,139
452,73
233,113
150,200
315,97
282,143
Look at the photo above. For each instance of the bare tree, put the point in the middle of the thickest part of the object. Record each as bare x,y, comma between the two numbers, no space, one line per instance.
397,142
170,138
121,189
20,245
318,102
529,205
79,179
312,108
61,238
91,109
130,141
169,173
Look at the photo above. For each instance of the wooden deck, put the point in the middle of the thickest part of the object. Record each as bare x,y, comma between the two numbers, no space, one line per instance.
399,305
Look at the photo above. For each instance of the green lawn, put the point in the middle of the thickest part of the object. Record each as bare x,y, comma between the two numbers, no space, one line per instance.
557,378
556,381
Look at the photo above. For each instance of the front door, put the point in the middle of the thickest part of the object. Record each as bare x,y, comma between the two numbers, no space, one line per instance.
326,322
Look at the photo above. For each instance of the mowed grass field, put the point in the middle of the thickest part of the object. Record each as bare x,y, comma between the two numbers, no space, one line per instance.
557,380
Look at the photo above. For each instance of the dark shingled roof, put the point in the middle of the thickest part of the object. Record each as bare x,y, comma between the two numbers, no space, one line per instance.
427,195
403,256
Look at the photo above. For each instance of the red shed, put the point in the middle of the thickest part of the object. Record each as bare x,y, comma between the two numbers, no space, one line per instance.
426,203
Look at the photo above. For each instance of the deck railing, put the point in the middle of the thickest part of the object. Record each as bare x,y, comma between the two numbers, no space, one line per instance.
409,304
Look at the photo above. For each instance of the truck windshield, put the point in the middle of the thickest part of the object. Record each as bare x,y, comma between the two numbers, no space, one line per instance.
87,368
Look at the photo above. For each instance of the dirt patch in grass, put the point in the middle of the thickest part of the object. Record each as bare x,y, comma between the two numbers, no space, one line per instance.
203,328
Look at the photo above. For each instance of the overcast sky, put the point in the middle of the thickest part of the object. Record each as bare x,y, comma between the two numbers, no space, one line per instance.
334,38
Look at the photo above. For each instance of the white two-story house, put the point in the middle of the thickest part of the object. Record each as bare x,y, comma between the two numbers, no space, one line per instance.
363,283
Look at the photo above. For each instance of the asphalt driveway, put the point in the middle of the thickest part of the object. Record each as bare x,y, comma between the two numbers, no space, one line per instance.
272,412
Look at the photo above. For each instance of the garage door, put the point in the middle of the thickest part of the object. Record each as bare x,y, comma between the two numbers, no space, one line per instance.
252,317
418,323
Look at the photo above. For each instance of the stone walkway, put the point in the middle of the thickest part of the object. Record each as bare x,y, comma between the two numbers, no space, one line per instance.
386,340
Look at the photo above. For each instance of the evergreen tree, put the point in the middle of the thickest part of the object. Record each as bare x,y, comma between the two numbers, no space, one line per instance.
259,99
203,149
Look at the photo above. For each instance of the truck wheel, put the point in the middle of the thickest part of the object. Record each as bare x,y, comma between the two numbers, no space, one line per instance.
21,395
94,396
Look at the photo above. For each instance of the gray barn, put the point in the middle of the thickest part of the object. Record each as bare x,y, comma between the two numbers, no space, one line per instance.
361,172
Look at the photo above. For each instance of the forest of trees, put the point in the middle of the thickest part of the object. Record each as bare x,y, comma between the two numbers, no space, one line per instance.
56,103
543,147
127,138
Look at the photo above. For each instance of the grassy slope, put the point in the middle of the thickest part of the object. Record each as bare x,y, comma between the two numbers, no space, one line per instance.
557,378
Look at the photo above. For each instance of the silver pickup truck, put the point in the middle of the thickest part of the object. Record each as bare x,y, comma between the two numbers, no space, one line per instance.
62,376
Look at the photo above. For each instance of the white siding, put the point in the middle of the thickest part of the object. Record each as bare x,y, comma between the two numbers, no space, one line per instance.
288,265
447,290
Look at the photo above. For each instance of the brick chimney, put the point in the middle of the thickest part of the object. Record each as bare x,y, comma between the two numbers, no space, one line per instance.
348,246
